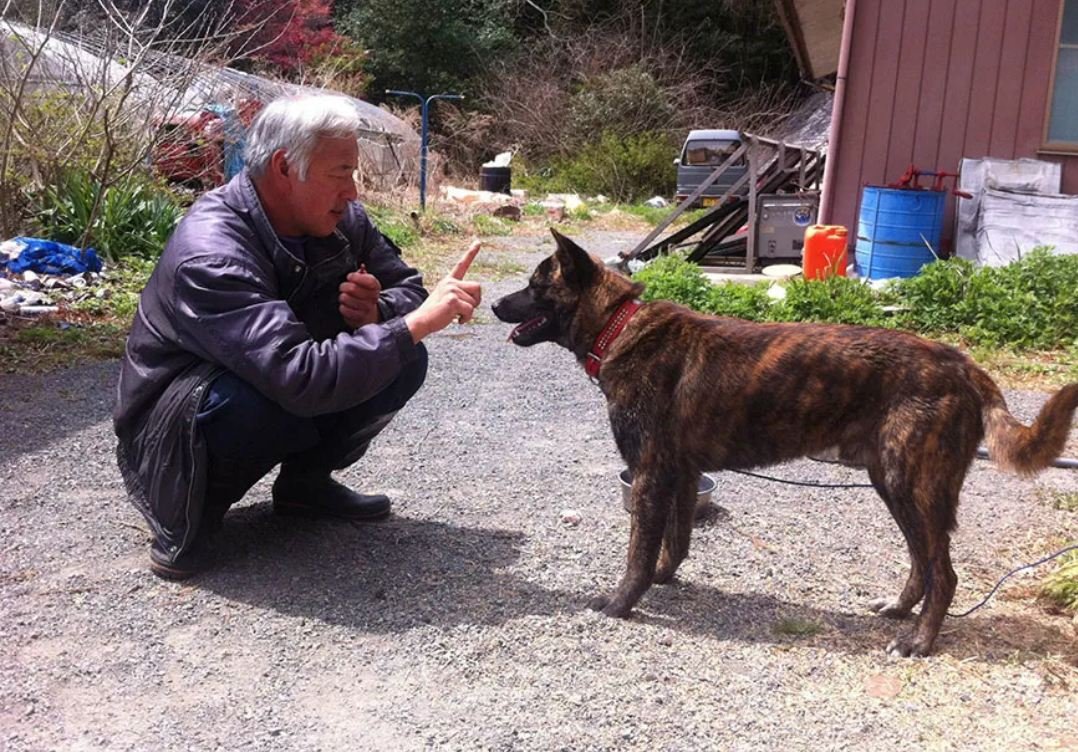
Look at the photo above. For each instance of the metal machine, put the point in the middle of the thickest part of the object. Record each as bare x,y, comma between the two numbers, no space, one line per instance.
781,220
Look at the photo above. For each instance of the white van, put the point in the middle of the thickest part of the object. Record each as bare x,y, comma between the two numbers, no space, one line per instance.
704,150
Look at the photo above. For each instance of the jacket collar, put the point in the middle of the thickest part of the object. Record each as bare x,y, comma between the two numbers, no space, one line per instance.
241,196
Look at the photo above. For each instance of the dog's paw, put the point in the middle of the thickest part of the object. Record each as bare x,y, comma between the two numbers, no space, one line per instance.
609,606
908,646
889,608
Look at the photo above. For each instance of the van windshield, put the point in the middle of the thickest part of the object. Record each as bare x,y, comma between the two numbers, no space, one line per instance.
712,152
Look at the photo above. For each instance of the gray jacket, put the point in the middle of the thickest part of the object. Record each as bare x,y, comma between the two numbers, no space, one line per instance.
227,295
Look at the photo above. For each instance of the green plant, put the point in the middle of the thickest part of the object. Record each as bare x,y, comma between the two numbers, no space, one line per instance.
627,100
135,216
393,224
1032,303
740,301
582,213
1062,585
123,284
836,300
487,225
674,278
1068,502
625,168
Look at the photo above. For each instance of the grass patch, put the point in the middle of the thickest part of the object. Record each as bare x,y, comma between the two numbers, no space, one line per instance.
51,343
488,226
1067,502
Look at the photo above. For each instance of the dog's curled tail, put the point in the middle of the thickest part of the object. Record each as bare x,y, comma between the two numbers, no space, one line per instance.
1025,449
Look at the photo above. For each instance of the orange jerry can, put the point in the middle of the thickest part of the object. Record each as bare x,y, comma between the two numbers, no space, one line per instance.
824,254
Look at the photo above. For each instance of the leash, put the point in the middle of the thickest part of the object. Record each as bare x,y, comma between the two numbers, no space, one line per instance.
984,601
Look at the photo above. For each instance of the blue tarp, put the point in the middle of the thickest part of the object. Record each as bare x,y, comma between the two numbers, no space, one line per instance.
235,138
49,257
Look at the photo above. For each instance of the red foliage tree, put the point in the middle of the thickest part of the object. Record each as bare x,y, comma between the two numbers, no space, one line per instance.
292,33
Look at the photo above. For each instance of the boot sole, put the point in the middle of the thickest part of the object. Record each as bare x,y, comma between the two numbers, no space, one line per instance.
165,572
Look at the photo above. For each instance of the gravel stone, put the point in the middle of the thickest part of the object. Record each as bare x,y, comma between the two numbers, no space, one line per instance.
460,623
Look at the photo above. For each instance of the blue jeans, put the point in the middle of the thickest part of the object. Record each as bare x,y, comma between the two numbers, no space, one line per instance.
247,434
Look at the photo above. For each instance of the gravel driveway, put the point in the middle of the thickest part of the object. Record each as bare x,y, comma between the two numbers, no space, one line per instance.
460,622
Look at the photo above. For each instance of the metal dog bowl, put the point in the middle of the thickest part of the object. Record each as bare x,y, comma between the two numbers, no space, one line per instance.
705,486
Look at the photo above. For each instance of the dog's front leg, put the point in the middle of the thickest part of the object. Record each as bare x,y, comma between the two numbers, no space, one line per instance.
650,507
678,530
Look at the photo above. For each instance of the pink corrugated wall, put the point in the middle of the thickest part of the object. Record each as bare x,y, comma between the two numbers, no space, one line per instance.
932,81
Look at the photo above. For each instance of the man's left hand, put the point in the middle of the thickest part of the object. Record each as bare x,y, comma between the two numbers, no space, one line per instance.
359,299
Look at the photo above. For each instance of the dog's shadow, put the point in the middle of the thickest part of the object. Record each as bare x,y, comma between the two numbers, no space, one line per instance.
760,618
386,576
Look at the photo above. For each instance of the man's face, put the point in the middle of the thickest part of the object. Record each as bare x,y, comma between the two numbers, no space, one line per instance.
318,203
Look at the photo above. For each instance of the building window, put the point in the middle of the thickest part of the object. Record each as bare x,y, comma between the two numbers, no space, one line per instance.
1062,128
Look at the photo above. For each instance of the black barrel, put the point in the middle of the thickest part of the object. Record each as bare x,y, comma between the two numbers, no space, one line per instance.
494,179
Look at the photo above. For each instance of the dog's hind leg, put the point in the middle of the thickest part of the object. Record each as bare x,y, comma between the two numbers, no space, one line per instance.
936,506
921,483
679,522
940,582
652,495
905,514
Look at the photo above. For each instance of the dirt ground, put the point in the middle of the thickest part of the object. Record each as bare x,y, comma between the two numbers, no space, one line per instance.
460,623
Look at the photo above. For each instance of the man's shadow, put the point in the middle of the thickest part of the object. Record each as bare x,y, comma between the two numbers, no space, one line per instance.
403,573
385,576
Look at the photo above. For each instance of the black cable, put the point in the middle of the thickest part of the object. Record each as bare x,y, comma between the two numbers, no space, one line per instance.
1013,571
804,483
1003,579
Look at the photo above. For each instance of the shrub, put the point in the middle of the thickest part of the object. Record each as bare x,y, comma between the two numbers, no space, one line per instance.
740,301
628,99
623,168
135,216
674,278
1032,303
836,299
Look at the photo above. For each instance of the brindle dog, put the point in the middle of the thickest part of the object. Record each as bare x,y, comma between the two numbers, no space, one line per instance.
688,393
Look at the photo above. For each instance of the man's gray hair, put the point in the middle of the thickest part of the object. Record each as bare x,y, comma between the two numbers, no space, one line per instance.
295,123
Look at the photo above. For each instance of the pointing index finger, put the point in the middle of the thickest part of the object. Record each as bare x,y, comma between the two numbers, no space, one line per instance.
466,260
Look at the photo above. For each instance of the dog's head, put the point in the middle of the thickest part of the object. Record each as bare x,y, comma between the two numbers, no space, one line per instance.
545,310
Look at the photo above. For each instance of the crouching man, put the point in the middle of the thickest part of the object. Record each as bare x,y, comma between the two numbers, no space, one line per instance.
279,327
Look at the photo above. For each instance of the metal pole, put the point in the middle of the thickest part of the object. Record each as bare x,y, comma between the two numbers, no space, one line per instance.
423,157
424,106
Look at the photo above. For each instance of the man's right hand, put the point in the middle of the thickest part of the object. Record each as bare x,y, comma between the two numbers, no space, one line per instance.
453,299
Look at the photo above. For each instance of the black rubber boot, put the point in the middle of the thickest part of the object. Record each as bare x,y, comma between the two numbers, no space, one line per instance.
316,494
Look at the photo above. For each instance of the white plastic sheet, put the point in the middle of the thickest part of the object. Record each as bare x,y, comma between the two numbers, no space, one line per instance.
977,175
1013,224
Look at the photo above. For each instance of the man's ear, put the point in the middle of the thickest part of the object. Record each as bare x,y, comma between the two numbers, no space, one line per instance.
577,268
279,164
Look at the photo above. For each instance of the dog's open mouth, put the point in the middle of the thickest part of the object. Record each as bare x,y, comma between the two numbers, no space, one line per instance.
525,332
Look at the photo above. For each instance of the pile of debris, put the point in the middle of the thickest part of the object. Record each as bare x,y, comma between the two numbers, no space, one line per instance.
37,275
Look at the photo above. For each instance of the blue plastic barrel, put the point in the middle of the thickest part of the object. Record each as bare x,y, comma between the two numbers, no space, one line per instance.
893,228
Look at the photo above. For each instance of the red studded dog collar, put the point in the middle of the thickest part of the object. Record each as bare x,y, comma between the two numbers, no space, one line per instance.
606,337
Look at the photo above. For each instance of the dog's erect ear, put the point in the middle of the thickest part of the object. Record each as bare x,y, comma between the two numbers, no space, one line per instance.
577,268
